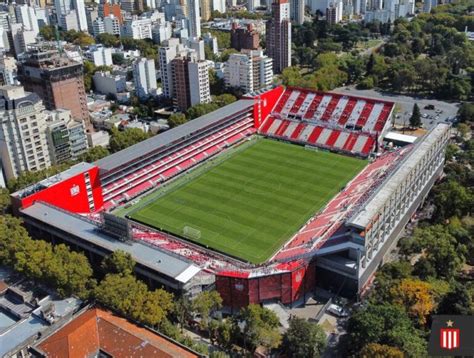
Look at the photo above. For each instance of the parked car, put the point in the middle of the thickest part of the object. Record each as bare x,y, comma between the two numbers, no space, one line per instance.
338,311
430,106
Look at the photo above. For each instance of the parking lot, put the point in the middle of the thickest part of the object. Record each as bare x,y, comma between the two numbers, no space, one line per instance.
442,112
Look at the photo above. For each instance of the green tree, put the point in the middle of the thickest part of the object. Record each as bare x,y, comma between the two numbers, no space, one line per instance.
375,350
108,40
458,301
466,112
415,119
225,334
451,199
303,339
260,327
119,262
94,154
123,139
48,32
30,177
4,200
177,119
204,304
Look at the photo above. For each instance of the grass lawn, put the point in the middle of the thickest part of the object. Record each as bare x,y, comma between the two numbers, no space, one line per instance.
249,205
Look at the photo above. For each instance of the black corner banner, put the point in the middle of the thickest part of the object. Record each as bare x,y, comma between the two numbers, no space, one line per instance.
452,336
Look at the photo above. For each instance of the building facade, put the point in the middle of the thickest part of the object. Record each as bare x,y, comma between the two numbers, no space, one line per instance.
144,77
278,35
249,70
244,38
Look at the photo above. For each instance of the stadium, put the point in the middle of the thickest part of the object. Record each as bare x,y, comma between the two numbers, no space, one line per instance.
263,199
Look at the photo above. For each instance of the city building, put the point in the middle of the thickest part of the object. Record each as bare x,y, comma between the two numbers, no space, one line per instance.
21,38
161,31
99,55
103,329
8,71
92,14
144,77
109,84
278,35
252,5
194,19
297,11
23,143
334,12
250,70
68,21
98,27
205,7
66,8
57,80
198,46
219,5
244,38
137,28
106,9
190,82
112,25
26,16
211,41
67,138
166,54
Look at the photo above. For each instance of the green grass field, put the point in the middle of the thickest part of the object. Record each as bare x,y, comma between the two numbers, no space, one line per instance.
249,205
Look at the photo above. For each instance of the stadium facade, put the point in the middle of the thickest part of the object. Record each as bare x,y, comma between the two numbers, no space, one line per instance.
339,247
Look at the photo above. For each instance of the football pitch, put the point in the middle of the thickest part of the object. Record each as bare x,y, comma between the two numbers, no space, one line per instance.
249,205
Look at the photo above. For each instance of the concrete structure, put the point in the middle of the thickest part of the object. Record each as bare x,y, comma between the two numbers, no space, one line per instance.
205,9
194,19
198,46
106,83
66,8
26,16
244,38
278,35
252,5
67,138
23,144
297,11
21,38
112,25
334,12
98,27
249,70
99,55
219,5
166,54
211,41
57,80
8,71
144,76
137,28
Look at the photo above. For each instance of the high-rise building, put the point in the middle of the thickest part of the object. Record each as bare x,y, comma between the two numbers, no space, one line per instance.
98,27
92,14
244,38
190,82
65,7
297,11
107,9
26,16
67,138
205,7
334,12
57,80
144,76
252,5
219,5
8,71
99,55
166,54
194,19
21,38
278,35
23,143
250,70
112,25
137,28
198,46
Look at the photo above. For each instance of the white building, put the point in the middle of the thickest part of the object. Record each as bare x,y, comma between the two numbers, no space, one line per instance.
219,5
144,76
68,21
106,83
26,15
252,5
137,29
199,82
198,46
23,143
166,54
249,70
99,55
8,71
68,7
112,25
21,38
211,41
161,32
194,19
98,26
297,11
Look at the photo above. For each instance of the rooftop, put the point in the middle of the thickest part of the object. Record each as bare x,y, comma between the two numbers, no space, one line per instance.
157,260
96,330
373,206
152,144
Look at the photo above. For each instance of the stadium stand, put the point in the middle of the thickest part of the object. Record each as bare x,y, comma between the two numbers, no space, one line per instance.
331,121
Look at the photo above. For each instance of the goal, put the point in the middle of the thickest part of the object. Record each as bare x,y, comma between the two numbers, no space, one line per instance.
191,233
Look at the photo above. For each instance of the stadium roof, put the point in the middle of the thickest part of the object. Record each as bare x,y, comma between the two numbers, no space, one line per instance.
147,146
153,258
374,205
399,137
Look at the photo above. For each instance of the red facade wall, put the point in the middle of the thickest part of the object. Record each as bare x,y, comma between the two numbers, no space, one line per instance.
264,104
70,194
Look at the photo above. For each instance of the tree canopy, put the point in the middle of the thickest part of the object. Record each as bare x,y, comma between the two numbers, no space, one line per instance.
303,339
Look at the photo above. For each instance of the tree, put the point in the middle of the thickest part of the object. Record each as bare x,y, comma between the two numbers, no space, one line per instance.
48,32
30,177
176,119
4,200
108,40
94,154
451,199
124,139
303,339
225,334
415,119
118,59
384,324
375,350
463,130
466,112
456,302
260,327
204,304
119,262
415,296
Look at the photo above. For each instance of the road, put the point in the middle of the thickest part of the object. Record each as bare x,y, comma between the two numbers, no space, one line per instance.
405,105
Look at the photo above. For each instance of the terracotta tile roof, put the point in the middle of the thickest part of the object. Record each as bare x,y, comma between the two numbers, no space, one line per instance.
96,330
3,286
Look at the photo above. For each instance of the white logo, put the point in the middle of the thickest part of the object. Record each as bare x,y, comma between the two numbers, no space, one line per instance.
75,190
